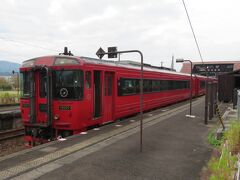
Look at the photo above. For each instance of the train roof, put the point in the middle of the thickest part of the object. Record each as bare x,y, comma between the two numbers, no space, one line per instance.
132,65
123,64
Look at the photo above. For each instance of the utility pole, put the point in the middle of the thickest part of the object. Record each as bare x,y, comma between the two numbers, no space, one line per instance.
112,53
172,65
161,64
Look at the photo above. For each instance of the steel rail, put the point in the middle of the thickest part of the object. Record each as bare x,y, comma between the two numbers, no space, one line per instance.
10,134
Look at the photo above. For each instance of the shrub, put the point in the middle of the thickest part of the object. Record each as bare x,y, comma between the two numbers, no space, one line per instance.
223,167
212,139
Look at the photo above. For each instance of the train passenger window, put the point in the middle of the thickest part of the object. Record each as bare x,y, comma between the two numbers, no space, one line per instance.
164,85
24,84
202,84
187,84
68,84
137,85
155,85
88,79
132,86
170,85
147,85
180,84
128,86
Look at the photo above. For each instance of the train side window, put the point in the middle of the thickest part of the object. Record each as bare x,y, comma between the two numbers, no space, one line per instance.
163,85
202,84
155,86
147,85
88,79
25,84
137,85
128,86
175,85
119,87
187,84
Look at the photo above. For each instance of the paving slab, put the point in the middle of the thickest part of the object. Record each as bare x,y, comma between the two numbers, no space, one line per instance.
174,147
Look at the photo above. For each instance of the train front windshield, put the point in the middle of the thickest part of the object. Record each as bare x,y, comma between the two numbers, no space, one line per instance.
25,84
68,84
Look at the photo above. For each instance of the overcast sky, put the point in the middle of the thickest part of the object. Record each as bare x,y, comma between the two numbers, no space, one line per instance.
159,28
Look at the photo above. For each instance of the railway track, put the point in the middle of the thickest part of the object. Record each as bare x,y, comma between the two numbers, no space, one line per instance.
10,134
9,108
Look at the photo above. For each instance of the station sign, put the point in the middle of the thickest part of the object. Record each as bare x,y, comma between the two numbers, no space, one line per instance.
217,68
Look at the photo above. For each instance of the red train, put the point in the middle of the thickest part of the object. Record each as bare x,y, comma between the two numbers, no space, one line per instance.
63,95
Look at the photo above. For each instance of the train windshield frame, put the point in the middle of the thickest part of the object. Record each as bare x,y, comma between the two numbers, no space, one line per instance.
68,84
25,78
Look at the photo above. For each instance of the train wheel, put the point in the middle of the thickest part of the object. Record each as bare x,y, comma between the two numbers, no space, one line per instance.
66,133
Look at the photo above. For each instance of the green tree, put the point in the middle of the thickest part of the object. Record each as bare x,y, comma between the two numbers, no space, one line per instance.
4,84
14,81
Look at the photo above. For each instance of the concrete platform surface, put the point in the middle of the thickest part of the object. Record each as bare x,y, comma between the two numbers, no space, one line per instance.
174,147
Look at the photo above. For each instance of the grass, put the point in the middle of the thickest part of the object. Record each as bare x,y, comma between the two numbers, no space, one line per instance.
9,97
212,139
2,93
222,165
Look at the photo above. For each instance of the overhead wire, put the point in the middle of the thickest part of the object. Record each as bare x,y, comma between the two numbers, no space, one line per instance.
26,43
195,38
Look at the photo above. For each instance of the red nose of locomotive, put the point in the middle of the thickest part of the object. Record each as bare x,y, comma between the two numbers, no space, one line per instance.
51,96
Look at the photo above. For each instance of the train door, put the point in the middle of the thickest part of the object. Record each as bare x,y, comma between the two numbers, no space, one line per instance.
108,96
41,96
97,107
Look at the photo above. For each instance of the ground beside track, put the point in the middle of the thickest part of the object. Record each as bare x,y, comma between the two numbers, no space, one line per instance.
9,108
174,147
11,146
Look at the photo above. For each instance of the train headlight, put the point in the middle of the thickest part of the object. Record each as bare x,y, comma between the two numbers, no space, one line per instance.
56,117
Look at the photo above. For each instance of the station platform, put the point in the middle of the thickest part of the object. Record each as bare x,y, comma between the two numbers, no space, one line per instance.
8,112
174,147
10,117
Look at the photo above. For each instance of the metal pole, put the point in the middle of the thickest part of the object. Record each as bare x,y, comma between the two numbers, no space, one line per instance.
190,85
141,90
18,83
211,98
119,54
206,102
214,97
191,90
141,103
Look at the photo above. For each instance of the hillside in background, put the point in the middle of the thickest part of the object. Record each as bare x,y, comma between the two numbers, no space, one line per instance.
6,68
